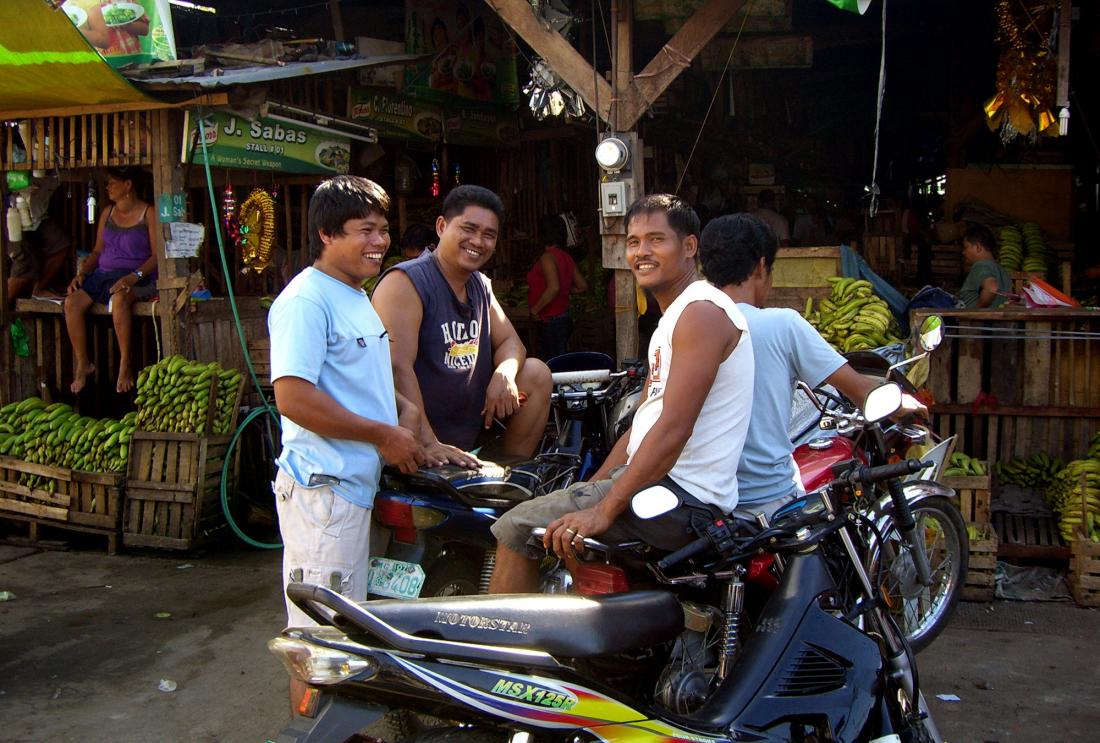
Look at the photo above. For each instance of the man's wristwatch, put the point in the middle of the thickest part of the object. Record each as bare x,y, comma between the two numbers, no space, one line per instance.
139,274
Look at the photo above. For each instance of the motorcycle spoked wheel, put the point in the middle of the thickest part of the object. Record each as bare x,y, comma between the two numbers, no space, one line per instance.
922,611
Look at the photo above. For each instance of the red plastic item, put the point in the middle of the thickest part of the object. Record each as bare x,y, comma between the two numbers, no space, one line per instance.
760,572
597,578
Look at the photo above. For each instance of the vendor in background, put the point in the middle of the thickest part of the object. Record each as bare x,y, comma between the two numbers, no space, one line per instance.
766,211
121,270
36,259
419,239
987,277
549,283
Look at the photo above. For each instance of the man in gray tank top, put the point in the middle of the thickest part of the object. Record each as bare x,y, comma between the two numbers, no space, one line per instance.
455,354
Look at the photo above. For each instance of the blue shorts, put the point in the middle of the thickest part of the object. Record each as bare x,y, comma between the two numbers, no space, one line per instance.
98,285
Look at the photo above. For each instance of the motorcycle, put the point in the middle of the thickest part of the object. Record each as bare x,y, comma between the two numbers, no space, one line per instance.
434,524
820,661
926,571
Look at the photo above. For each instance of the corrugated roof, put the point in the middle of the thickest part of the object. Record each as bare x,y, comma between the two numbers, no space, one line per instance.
225,77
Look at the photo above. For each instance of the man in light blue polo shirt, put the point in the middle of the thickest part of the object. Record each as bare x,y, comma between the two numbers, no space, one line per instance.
738,251
341,419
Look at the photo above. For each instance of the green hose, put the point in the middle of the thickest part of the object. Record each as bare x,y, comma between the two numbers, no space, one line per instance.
266,407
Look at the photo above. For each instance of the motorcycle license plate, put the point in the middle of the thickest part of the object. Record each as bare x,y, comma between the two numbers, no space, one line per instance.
394,578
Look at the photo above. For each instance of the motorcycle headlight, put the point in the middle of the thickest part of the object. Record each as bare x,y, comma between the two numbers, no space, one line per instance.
318,665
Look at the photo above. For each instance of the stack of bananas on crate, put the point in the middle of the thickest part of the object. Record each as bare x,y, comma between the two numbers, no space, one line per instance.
1035,471
852,318
174,396
57,436
964,466
1076,485
1023,248
1094,446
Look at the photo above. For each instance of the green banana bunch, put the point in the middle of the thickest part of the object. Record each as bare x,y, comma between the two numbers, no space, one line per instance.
57,436
965,466
852,318
1075,496
174,395
1094,446
1030,472
1023,248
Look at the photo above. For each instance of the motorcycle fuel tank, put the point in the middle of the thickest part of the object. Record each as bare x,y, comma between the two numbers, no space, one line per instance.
816,458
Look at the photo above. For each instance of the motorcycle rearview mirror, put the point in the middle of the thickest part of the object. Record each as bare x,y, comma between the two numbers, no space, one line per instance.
653,501
882,402
930,335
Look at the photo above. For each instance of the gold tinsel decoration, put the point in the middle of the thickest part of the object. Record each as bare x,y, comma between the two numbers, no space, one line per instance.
1026,72
256,217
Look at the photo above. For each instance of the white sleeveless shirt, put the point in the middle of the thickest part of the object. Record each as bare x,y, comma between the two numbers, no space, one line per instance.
707,467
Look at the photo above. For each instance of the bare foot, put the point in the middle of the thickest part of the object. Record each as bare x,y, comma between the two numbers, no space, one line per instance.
125,379
80,377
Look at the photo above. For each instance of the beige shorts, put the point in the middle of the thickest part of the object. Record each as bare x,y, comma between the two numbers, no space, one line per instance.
326,541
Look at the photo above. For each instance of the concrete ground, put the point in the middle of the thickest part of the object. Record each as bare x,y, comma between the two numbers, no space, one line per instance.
83,650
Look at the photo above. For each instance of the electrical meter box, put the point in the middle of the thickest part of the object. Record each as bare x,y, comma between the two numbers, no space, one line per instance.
614,198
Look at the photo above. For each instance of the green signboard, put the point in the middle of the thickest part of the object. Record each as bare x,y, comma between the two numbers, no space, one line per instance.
396,115
480,126
171,207
266,144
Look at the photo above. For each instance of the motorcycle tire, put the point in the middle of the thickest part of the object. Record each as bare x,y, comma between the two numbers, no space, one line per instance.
452,576
922,614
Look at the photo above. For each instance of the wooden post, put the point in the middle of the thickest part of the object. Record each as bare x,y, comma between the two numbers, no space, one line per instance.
171,272
337,19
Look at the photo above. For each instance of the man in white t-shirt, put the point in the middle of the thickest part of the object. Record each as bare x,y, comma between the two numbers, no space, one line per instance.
737,251
690,426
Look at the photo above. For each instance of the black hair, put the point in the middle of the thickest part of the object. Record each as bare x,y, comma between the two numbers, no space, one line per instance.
463,196
732,246
681,217
766,197
419,236
981,235
552,231
138,177
339,199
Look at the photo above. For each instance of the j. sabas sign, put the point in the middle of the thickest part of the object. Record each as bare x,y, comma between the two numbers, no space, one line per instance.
263,144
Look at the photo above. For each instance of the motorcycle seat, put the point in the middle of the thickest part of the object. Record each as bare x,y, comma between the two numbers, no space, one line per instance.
501,483
563,626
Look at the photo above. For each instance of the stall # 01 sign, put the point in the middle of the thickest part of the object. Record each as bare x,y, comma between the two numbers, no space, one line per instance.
265,144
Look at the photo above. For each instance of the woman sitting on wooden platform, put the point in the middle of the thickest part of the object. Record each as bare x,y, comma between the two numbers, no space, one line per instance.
121,270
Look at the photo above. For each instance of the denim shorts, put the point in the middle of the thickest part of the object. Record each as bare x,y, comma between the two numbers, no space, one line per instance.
98,285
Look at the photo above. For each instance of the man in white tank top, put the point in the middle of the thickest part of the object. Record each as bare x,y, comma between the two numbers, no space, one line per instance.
690,426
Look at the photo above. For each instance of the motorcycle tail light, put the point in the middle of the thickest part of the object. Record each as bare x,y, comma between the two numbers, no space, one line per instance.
404,518
597,578
318,665
307,705
760,572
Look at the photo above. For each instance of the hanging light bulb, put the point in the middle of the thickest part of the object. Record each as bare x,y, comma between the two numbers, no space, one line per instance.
91,201
435,179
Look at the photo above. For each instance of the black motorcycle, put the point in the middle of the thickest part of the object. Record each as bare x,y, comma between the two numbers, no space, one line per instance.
821,661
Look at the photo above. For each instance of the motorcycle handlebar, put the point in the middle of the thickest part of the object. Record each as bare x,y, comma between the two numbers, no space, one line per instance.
689,550
581,377
870,475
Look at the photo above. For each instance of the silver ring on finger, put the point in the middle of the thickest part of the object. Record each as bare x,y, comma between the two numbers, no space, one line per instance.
570,531
580,537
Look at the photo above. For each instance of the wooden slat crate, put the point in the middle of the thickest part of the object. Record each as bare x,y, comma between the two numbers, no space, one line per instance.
78,501
172,493
974,496
982,566
1084,571
800,273
259,350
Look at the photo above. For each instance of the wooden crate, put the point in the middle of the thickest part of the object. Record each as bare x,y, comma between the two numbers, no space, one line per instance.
259,351
975,494
800,273
1084,570
982,565
80,501
173,499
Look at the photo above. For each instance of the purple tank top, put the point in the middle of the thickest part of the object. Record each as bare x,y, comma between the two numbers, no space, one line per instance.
454,359
124,248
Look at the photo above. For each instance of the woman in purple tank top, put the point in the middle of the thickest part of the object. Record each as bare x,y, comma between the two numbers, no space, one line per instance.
121,270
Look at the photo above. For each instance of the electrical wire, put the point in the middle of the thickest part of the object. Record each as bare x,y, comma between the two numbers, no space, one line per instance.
873,207
265,406
713,98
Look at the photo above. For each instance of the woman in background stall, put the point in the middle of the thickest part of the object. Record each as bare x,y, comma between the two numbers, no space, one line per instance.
121,270
549,283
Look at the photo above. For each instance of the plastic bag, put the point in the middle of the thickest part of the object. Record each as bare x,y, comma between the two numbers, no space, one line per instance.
1038,293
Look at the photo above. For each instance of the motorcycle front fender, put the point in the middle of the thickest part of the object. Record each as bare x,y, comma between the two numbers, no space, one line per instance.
915,492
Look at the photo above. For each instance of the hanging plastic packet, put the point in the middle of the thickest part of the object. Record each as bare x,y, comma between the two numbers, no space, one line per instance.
19,340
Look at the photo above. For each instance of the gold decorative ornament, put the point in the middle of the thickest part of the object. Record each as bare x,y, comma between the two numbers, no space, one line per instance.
256,218
1026,72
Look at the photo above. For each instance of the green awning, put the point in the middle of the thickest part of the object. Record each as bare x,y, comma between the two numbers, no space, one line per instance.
45,63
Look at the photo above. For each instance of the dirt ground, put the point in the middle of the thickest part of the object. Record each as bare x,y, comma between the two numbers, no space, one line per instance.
84,648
